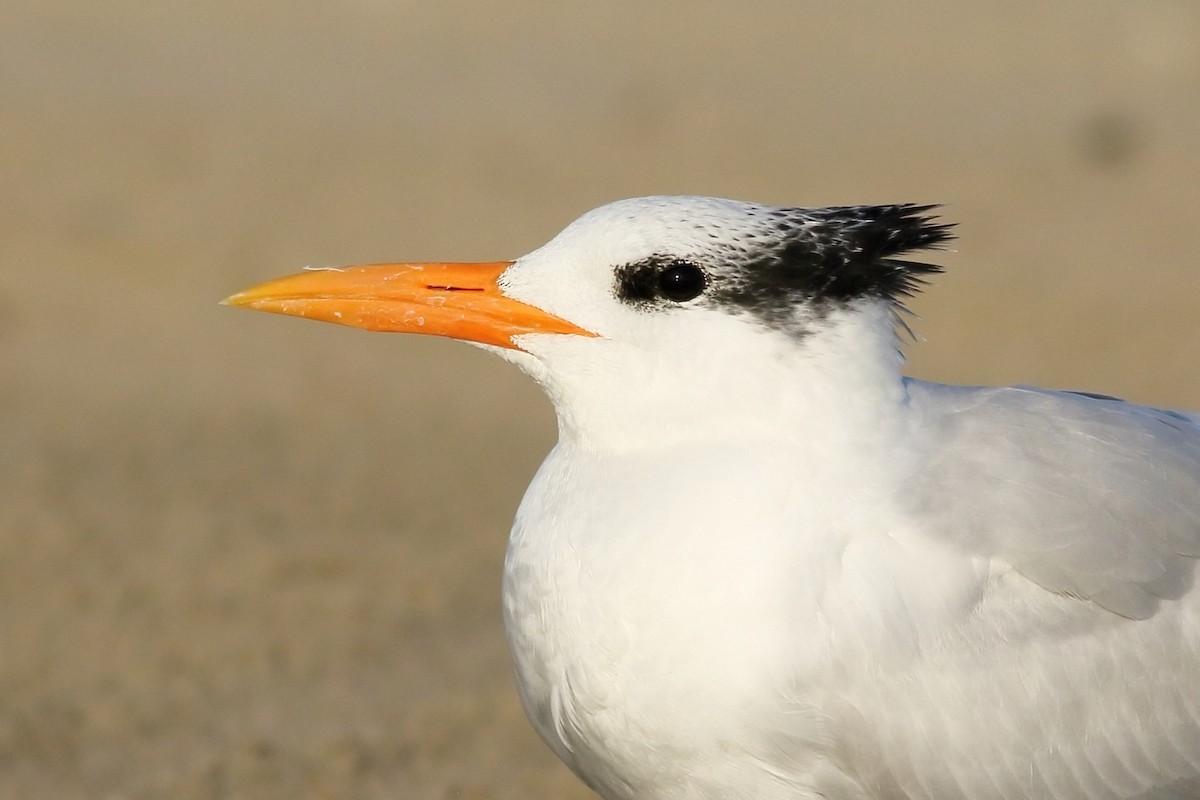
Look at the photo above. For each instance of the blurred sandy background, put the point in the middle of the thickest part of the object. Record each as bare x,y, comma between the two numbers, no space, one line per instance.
244,556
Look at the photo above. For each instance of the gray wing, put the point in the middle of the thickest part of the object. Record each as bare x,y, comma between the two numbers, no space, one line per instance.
1084,494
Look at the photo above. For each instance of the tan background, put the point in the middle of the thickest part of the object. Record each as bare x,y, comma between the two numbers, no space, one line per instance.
243,556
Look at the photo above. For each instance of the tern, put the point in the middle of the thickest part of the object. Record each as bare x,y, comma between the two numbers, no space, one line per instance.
762,563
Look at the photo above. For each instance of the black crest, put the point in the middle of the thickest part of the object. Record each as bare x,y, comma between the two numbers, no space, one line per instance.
837,255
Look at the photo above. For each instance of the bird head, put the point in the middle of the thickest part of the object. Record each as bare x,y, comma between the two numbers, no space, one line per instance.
660,312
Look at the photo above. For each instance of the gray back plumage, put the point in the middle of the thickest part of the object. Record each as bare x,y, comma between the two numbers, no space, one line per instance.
1085,495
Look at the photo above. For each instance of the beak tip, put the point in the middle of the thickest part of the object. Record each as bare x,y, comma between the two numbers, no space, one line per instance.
238,300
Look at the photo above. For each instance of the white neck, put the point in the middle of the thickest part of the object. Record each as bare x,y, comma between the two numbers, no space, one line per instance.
731,380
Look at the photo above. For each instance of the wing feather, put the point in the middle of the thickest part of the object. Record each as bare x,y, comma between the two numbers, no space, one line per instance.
1084,494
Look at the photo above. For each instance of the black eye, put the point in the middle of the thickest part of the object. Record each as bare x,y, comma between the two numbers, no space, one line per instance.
681,281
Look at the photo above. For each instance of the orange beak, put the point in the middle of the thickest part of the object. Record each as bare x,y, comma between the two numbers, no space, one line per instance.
462,301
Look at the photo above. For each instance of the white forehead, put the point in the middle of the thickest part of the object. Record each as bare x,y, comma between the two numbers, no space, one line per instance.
629,230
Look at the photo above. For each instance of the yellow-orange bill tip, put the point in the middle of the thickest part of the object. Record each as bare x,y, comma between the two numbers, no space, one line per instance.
463,301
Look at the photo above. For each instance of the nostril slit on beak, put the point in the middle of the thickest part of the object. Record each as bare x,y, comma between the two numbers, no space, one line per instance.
455,288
